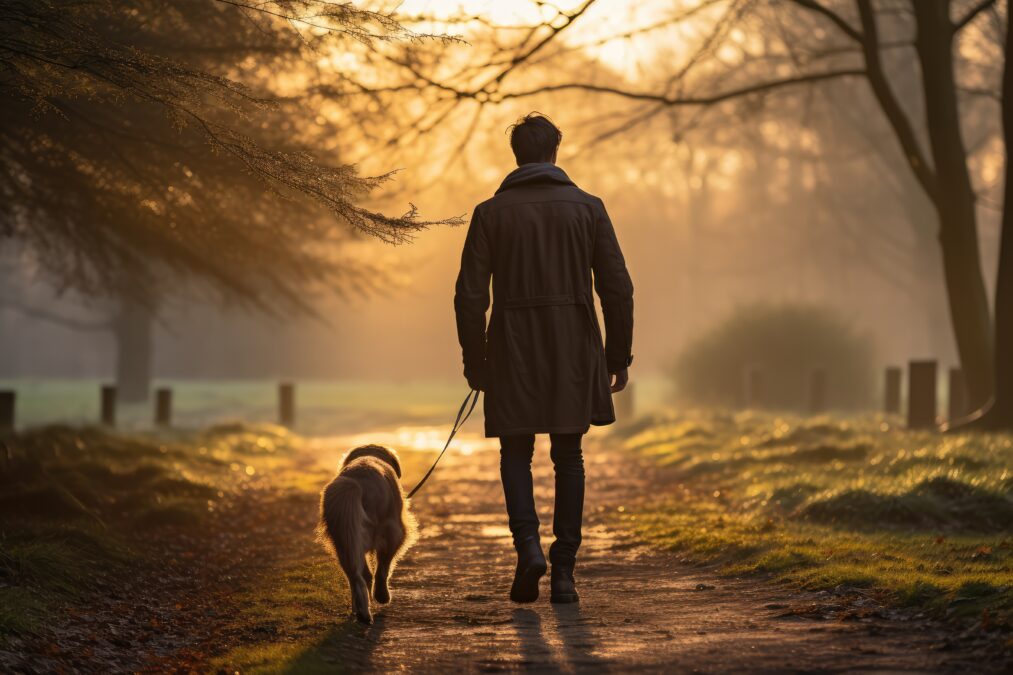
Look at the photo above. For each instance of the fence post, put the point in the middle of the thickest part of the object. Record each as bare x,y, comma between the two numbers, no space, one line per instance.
921,397
108,405
957,395
286,404
7,398
818,391
163,407
891,400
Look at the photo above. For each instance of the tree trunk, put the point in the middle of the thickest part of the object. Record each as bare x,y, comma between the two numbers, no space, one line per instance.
954,199
132,328
999,417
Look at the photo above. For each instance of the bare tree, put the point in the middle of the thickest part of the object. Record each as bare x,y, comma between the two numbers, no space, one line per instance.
806,43
998,416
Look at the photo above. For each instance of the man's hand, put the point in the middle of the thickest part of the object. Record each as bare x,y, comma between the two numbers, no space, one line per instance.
620,380
476,377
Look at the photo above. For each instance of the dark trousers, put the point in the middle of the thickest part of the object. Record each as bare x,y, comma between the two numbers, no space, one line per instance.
515,470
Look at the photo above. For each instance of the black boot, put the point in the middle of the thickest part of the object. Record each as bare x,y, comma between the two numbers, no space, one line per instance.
563,588
530,568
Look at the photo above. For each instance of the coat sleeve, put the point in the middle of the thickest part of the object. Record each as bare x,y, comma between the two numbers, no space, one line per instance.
471,300
615,289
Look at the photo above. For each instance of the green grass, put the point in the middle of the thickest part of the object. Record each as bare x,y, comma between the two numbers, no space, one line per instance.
919,518
297,618
74,503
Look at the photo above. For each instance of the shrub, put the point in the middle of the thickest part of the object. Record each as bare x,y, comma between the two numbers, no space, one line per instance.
784,344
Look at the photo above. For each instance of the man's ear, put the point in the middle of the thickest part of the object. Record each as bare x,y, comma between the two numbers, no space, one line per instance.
554,153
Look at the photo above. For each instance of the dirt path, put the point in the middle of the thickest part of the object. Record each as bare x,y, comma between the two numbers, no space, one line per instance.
638,609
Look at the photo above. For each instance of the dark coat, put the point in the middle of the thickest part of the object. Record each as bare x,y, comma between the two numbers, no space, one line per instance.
541,362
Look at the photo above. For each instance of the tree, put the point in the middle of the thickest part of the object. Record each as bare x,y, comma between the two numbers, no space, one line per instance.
151,148
998,415
804,43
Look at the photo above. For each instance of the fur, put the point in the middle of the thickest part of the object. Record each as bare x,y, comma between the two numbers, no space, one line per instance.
366,524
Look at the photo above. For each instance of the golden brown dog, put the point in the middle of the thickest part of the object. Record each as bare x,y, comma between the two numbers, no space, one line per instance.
365,522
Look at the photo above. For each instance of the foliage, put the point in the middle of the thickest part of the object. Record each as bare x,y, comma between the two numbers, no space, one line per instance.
784,344
142,137
917,518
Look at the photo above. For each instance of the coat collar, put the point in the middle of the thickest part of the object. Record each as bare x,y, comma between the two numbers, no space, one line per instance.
534,174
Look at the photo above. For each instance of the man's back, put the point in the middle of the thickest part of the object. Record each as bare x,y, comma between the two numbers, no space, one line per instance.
541,363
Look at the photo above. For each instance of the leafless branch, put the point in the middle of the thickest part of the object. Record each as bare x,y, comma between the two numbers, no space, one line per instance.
972,14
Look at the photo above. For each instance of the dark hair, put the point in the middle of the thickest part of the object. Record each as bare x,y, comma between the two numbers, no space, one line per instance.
534,138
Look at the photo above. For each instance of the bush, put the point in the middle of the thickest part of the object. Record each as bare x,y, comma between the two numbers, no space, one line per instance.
784,344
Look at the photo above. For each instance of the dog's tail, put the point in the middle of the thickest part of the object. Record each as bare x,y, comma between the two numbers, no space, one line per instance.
342,527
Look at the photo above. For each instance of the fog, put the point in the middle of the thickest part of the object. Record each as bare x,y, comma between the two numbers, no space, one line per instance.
801,197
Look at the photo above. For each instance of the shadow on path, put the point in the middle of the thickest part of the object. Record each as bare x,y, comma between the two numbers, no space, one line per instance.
579,642
349,645
535,651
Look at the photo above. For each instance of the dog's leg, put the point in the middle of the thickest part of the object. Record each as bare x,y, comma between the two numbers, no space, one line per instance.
356,570
367,575
385,555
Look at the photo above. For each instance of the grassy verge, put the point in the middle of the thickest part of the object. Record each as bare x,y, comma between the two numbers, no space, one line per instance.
919,519
77,504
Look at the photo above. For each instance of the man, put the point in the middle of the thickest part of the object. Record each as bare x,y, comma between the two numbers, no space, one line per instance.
541,362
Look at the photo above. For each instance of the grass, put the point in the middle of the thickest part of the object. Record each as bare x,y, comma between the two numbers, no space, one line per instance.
918,518
81,508
77,504
296,619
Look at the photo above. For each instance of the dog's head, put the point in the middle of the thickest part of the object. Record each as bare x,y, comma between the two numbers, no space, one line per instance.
380,452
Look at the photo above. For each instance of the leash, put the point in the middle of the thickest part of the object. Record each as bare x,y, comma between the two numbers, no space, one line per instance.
462,417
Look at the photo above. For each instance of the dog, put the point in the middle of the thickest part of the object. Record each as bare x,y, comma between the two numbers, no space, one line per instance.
365,522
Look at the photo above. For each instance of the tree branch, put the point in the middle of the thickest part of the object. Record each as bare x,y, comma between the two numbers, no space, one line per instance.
690,100
894,112
838,20
53,317
972,13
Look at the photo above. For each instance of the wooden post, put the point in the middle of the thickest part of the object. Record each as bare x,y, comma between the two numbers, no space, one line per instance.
921,396
163,407
109,405
818,391
957,395
286,404
891,400
7,398
754,388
